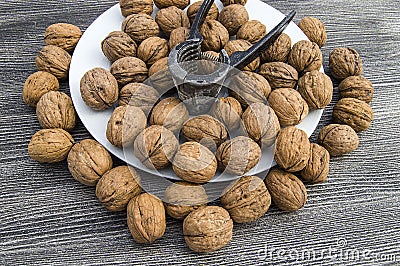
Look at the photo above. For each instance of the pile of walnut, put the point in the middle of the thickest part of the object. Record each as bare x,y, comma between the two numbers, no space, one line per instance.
264,101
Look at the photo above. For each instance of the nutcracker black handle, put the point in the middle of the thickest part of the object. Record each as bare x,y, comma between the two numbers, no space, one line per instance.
201,15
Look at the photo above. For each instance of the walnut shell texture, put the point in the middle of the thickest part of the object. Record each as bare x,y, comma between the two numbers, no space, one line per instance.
182,4
194,8
279,50
177,36
242,45
314,29
160,76
170,113
338,139
279,75
305,56
139,95
357,87
231,2
345,62
252,31
38,84
140,27
63,35
215,35
317,168
353,112
54,60
316,88
171,18
152,49
129,69
233,17
129,7
229,111
117,45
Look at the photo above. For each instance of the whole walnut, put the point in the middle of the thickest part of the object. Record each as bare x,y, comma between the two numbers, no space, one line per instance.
279,75
194,8
353,112
160,76
50,145
292,149
261,124
63,35
182,4
194,163
345,62
314,29
338,139
233,17
171,18
87,161
215,35
287,191
170,113
139,95
228,111
181,198
129,69
146,218
140,27
54,60
247,199
252,31
316,88
155,147
305,56
238,155
129,7
99,89
289,106
242,45
231,2
152,49
117,45
207,229
317,168
177,36
117,187
357,87
38,84
125,123
55,110
279,50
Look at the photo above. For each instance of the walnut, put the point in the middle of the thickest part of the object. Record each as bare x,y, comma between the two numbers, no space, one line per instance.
317,168
279,75
231,2
316,88
63,35
338,139
279,50
247,199
252,31
233,17
171,18
117,187
215,35
152,49
54,60
228,111
242,45
170,113
160,76
129,69
238,155
305,56
289,106
182,4
314,29
155,147
146,218
129,7
140,27
345,62
87,161
181,198
353,112
50,145
194,8
117,45
207,229
99,89
357,87
125,123
38,84
261,124
177,36
287,191
139,95
292,149
55,110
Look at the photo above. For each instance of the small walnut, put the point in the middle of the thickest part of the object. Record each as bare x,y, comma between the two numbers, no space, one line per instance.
139,95
152,49
228,111
305,56
345,62
279,50
88,160
155,147
292,149
316,88
129,69
233,17
238,155
126,122
314,29
207,229
63,35
170,113
194,8
50,145
289,106
99,89
146,218
357,87
287,191
55,110
177,36
317,168
160,76
38,84
279,75
117,187
215,35
247,199
117,45
252,31
353,112
338,139
54,60
171,18
129,7
140,27
242,45
231,2
182,4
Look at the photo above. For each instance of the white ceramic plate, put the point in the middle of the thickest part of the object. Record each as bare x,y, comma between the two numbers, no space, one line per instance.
88,55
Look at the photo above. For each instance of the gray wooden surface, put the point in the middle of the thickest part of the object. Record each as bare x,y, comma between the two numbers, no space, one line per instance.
48,218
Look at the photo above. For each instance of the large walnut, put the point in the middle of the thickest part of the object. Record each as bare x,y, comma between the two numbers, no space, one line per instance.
117,45
194,8
231,2
54,60
140,27
160,76
316,88
345,62
171,18
317,168
63,35
233,17
228,111
139,95
129,69
353,112
38,84
279,50
215,35
305,56
177,36
242,45
338,139
129,7
314,29
357,87
167,3
279,75
252,31
152,49
170,113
